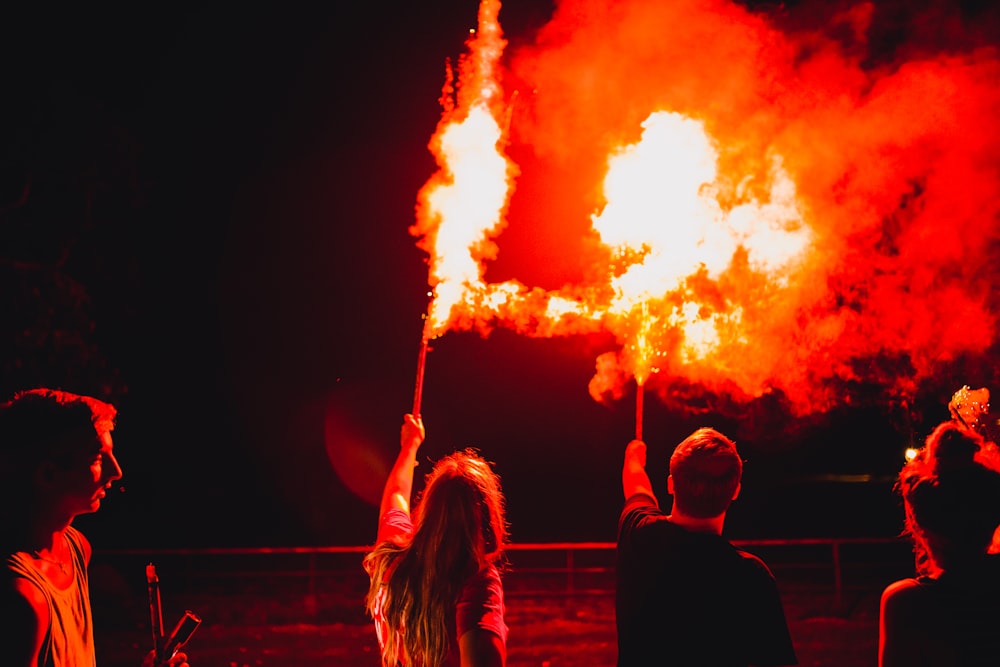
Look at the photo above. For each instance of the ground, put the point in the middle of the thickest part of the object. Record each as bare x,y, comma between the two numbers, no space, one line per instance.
271,619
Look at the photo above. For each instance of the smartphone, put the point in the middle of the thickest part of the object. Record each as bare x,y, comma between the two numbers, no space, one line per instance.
181,634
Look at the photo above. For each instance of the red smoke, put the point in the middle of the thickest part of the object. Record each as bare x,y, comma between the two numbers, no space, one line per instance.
884,116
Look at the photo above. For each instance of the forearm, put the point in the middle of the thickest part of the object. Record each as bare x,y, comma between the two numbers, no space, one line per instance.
399,485
634,477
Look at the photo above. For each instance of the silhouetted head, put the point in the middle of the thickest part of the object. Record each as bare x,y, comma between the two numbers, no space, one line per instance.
951,496
461,508
459,530
46,425
706,470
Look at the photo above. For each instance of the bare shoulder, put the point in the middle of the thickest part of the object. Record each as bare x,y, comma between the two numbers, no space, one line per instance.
910,602
84,543
903,590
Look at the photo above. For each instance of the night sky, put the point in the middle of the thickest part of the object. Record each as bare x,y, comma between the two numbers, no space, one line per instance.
215,223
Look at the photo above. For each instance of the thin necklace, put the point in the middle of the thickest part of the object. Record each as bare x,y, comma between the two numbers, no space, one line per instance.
62,566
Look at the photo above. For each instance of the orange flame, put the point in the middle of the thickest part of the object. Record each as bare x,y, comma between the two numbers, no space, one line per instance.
460,209
662,207
768,212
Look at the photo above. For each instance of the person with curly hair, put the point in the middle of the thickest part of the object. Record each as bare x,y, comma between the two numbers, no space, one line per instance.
949,614
435,591
57,462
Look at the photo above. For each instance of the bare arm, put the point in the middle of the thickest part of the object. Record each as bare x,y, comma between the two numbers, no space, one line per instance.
26,618
482,648
887,650
399,485
634,477
899,631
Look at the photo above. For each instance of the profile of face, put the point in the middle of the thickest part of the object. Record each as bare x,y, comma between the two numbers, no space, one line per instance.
82,480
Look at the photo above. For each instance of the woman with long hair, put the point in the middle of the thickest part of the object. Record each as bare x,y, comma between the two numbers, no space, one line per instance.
435,593
949,613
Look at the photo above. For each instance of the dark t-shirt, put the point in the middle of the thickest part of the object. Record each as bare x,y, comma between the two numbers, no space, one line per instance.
693,599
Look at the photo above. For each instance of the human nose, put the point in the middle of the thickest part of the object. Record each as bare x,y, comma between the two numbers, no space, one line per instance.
114,469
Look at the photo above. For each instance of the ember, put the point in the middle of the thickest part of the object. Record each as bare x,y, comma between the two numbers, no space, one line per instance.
750,209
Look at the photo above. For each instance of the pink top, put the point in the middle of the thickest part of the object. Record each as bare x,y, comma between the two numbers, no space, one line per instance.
480,604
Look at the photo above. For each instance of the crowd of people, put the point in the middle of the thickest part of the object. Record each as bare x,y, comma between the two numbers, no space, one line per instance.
685,595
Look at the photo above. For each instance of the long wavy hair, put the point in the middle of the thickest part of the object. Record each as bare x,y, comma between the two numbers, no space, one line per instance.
951,498
459,529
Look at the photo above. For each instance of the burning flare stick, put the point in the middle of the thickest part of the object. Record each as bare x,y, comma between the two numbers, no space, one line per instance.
165,648
461,206
638,411
419,389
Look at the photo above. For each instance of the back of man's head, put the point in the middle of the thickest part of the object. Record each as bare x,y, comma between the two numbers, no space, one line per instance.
706,470
45,424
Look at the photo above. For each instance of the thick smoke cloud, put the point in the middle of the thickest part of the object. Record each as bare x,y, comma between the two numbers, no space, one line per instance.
884,115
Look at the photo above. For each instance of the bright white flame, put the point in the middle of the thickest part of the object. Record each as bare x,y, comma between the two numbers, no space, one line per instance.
659,196
662,205
469,207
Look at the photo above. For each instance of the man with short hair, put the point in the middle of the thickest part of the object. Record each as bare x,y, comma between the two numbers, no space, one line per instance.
57,461
684,594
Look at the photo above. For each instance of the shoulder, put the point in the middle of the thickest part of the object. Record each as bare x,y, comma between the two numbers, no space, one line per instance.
481,605
640,501
639,520
754,563
394,525
908,598
754,573
483,586
638,508
904,588
751,565
80,542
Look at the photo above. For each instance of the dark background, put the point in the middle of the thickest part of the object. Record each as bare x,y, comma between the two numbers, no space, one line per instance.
203,218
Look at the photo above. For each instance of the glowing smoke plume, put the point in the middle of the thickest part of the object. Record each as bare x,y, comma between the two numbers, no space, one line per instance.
831,220
894,167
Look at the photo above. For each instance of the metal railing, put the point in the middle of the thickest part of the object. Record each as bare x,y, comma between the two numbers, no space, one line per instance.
580,565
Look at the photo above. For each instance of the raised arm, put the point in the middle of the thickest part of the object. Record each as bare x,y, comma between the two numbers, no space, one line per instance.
396,494
634,477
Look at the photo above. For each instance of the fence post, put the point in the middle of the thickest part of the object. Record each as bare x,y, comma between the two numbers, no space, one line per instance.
838,582
569,570
312,599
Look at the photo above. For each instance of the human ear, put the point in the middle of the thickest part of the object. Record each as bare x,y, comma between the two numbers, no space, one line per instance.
736,492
